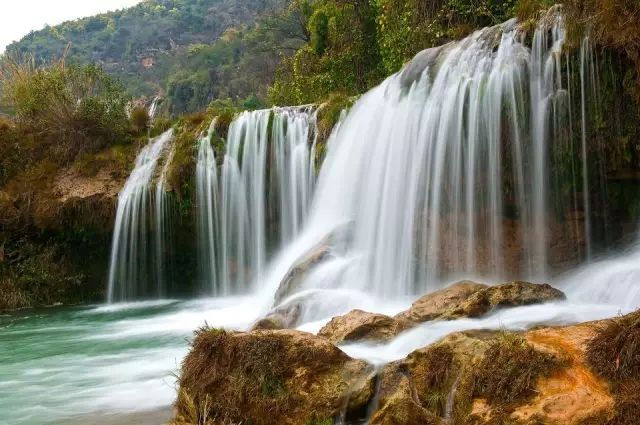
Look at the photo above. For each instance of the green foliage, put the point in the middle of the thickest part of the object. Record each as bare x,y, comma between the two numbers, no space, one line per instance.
139,118
39,275
193,50
407,27
319,28
252,103
341,55
82,108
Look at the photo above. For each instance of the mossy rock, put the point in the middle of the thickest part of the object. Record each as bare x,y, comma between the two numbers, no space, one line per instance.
267,377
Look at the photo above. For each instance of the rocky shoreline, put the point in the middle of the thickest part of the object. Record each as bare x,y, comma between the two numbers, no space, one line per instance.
579,374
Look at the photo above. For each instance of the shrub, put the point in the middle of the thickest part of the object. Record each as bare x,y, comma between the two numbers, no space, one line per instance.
140,119
76,109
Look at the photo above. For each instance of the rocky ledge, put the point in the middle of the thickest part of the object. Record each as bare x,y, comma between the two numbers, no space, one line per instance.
585,374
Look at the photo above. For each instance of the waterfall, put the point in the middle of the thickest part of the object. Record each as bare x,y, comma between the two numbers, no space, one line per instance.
449,169
259,200
135,270
207,205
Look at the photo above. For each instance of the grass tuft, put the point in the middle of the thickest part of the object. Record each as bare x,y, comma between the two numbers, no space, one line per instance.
510,369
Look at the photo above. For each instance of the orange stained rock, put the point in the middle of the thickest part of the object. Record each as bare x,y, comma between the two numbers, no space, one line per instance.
573,393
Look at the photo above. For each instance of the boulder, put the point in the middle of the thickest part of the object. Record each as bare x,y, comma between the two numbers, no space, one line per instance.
471,299
270,377
283,317
510,294
293,280
360,325
487,377
421,388
440,303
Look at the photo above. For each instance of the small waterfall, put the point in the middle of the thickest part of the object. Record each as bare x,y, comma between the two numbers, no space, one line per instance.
153,108
260,198
453,168
136,270
207,205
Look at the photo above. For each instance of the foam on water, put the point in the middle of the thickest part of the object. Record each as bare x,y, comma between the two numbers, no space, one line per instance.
61,364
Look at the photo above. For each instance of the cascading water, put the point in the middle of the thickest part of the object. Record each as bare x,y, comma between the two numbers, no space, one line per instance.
266,181
136,270
446,170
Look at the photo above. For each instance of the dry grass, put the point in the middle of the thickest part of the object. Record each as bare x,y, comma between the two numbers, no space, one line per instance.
509,370
230,382
614,353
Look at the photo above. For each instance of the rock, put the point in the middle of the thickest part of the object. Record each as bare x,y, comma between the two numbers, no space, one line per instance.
293,280
270,377
402,409
283,317
471,299
425,59
488,377
360,325
440,303
574,394
417,389
510,294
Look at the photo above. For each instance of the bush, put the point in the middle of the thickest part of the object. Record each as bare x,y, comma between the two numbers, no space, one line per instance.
76,109
140,119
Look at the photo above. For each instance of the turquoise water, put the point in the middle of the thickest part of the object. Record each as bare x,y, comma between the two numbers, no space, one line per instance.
64,364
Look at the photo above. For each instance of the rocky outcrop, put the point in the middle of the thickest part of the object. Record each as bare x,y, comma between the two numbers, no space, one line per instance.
293,280
284,317
471,299
360,325
572,375
489,377
510,294
270,377
440,303
462,299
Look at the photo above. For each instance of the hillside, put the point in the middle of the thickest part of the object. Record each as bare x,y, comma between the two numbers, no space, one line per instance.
148,46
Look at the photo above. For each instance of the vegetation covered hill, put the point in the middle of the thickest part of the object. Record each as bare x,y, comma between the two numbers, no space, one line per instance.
188,49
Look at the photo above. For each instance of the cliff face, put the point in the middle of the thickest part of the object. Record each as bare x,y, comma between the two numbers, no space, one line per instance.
55,230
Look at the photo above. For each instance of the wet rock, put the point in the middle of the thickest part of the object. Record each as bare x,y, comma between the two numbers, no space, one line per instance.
440,303
401,408
425,59
489,377
418,388
510,294
360,325
270,377
283,317
293,280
